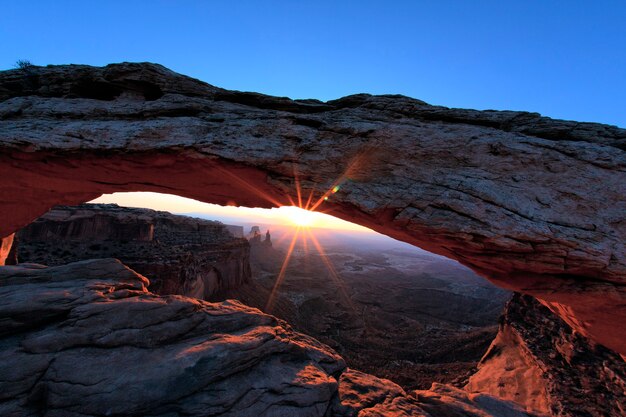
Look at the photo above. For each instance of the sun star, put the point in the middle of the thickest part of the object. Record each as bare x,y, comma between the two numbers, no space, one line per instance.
298,216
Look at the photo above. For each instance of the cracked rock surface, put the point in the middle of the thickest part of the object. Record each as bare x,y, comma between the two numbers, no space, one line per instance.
538,360
88,339
534,204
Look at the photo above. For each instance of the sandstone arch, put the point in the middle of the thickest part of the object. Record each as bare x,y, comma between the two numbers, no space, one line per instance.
533,204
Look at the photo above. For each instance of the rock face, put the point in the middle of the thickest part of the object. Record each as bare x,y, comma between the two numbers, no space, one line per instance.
88,339
538,360
534,204
181,255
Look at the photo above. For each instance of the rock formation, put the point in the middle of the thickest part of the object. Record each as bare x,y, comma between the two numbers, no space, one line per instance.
88,339
534,204
537,360
256,240
181,255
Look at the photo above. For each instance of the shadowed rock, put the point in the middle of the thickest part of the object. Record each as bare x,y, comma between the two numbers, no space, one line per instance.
534,204
88,339
181,255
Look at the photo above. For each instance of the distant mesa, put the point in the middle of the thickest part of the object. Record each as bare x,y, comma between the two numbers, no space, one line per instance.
255,237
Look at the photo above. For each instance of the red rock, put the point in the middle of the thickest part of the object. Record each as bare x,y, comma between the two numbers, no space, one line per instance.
7,250
538,361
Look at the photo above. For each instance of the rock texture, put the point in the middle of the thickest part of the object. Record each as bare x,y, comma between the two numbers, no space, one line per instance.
8,248
180,255
534,204
362,395
538,360
88,339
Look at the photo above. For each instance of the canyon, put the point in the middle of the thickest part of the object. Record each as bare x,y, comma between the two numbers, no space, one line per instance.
394,312
88,339
533,204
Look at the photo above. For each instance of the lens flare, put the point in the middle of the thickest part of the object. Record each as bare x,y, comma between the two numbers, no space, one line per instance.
302,217
281,274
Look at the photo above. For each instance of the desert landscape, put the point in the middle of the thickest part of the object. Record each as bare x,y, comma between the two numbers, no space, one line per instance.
312,209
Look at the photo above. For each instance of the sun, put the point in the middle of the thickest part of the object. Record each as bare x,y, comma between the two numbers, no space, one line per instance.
299,217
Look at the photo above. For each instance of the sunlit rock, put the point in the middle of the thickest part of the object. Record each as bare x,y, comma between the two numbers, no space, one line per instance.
537,360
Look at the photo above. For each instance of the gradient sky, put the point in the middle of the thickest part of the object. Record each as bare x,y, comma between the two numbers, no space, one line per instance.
291,216
564,59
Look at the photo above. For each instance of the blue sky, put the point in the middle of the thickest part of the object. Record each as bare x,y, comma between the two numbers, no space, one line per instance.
564,59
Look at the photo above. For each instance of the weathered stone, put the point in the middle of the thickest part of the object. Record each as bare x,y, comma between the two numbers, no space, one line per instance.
88,339
537,360
446,401
365,395
534,204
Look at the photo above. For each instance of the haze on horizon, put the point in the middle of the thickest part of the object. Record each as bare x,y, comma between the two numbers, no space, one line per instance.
284,216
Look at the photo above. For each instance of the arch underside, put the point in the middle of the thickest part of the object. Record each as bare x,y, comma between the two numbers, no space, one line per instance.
533,204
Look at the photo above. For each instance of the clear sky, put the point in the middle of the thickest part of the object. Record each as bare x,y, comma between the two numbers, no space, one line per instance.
564,59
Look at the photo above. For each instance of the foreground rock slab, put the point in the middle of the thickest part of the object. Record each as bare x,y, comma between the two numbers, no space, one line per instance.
534,204
88,339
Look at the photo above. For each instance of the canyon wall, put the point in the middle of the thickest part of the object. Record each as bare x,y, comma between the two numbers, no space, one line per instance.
179,254
537,360
534,204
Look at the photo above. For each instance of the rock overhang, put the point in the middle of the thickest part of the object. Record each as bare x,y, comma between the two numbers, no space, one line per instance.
534,204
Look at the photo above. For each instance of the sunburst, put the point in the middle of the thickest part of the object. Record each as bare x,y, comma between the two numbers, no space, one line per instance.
302,216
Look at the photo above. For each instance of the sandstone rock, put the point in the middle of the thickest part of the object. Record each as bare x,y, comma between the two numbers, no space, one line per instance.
534,204
88,339
364,395
538,360
180,255
8,250
446,401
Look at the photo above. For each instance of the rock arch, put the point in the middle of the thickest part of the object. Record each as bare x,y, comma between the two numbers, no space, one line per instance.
533,204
